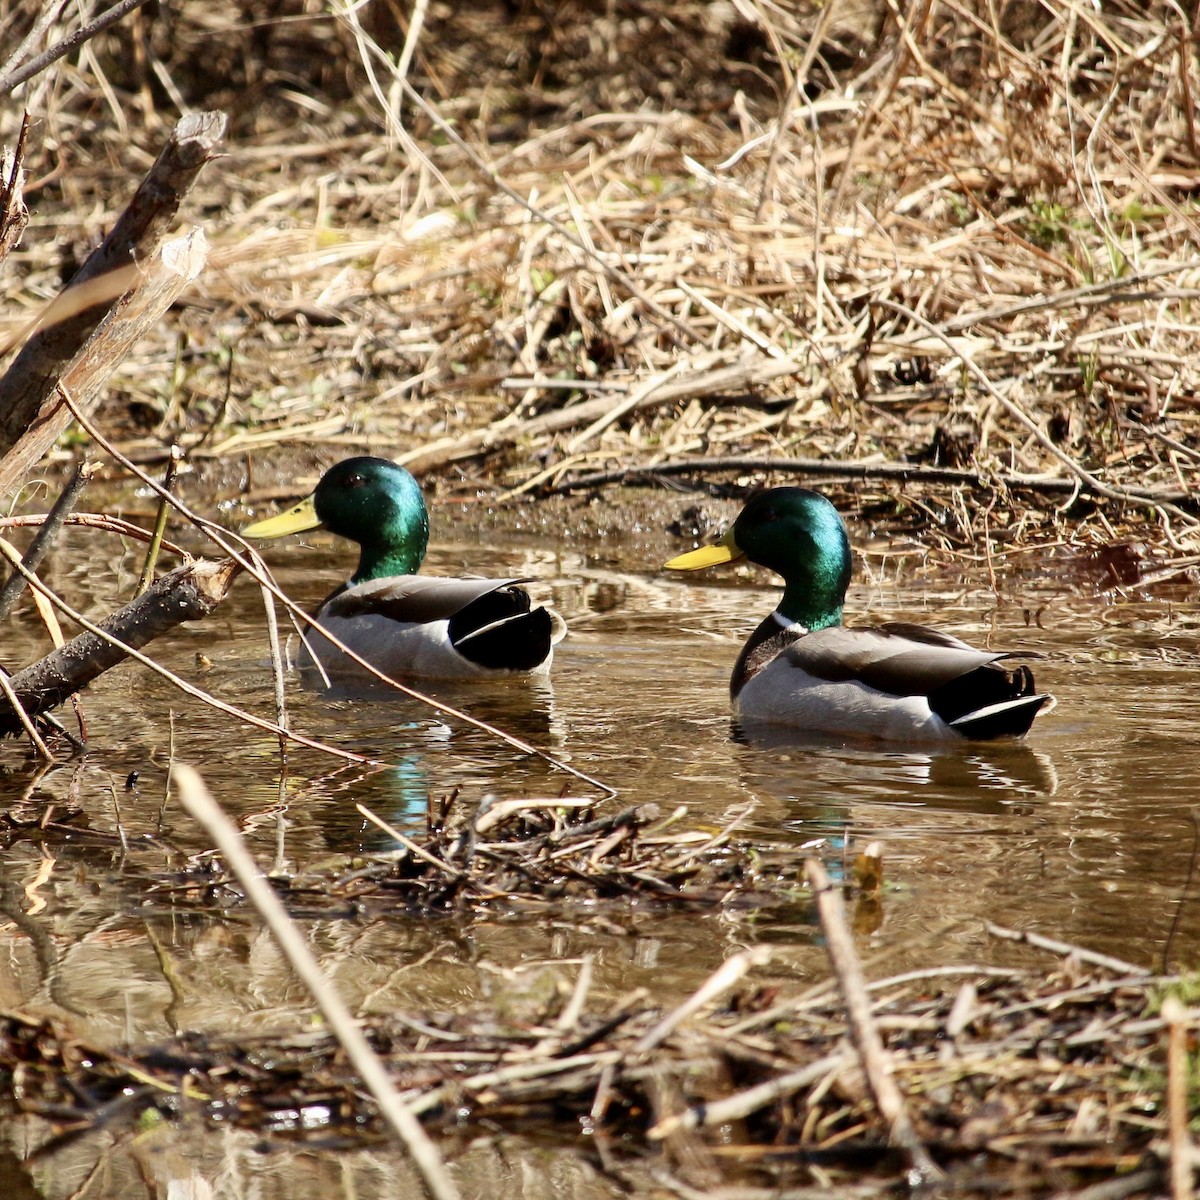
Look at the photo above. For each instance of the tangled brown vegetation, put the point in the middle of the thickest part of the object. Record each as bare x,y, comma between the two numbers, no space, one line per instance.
561,238
997,1064
1019,1079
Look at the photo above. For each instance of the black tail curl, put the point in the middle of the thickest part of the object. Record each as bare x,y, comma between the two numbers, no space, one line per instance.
990,702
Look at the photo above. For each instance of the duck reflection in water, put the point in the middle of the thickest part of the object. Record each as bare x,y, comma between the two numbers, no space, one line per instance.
994,779
527,712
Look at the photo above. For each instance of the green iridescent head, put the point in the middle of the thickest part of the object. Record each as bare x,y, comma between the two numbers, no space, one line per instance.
370,501
799,535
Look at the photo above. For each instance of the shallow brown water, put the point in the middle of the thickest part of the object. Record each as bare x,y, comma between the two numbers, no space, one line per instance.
1082,833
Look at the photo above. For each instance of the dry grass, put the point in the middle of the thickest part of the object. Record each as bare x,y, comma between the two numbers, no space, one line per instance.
964,236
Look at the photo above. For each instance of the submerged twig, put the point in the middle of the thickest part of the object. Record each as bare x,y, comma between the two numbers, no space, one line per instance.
1185,892
721,980
742,1104
1056,947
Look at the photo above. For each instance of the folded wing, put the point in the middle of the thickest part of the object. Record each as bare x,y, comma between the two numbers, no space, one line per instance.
491,622
971,690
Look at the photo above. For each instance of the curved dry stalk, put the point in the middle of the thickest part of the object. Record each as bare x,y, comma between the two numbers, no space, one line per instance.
182,684
196,798
101,521
390,107
32,558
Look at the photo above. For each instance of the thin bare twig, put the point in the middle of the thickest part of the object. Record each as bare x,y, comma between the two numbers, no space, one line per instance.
1056,947
839,945
160,523
1176,1018
100,521
721,980
16,75
44,538
742,1104
14,702
183,685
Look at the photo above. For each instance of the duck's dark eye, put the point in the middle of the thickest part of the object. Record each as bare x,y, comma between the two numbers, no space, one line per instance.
353,481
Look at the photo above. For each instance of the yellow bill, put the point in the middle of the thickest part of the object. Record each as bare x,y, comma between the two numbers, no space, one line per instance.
295,520
726,550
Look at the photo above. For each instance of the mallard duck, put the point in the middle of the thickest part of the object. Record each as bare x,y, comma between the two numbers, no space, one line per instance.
401,622
804,669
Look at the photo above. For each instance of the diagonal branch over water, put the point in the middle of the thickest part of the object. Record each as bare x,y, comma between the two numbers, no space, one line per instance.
252,564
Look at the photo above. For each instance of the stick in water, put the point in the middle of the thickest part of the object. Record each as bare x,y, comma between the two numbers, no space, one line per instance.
42,540
196,798
839,945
